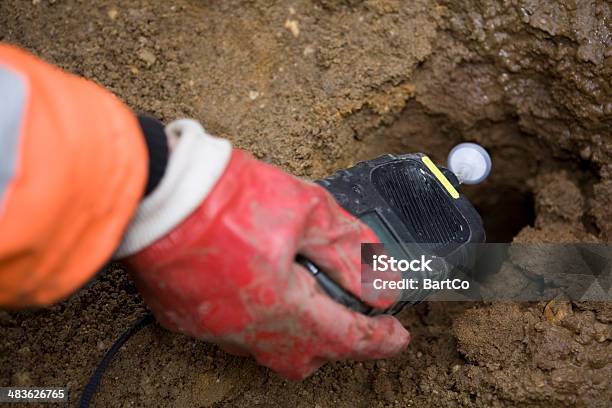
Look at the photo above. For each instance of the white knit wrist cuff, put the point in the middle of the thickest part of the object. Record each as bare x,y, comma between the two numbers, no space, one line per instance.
194,166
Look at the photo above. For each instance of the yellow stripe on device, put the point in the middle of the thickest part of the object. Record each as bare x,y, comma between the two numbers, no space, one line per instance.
436,172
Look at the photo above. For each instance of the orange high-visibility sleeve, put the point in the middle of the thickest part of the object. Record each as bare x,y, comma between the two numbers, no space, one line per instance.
73,167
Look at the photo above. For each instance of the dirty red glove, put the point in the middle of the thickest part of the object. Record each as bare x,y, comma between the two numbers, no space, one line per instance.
226,273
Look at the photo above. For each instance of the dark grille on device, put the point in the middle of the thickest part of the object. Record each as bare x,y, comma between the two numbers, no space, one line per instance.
416,196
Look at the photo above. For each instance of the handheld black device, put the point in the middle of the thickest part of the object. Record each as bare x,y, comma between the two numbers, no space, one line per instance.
408,202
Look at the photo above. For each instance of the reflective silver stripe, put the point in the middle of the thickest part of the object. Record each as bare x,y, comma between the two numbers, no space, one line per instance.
12,105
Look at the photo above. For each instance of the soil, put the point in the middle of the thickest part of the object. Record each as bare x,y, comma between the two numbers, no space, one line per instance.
313,86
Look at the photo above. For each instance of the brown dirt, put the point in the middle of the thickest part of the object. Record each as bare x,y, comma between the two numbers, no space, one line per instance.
529,81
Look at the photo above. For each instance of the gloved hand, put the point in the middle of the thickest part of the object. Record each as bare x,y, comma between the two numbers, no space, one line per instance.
226,230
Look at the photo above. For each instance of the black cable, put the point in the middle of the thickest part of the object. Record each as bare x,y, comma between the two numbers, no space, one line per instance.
91,387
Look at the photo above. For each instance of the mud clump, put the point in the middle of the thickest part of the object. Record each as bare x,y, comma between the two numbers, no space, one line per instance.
528,80
522,354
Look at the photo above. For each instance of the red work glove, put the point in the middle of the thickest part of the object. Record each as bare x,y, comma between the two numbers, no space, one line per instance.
224,269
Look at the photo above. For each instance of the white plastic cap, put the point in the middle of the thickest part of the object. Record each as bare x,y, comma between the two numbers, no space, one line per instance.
470,162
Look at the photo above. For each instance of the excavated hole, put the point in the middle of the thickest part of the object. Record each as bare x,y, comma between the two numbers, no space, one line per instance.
505,200
505,210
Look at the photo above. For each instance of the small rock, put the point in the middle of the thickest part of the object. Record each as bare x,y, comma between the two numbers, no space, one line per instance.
555,311
25,351
112,13
309,50
147,56
293,27
585,153
253,95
